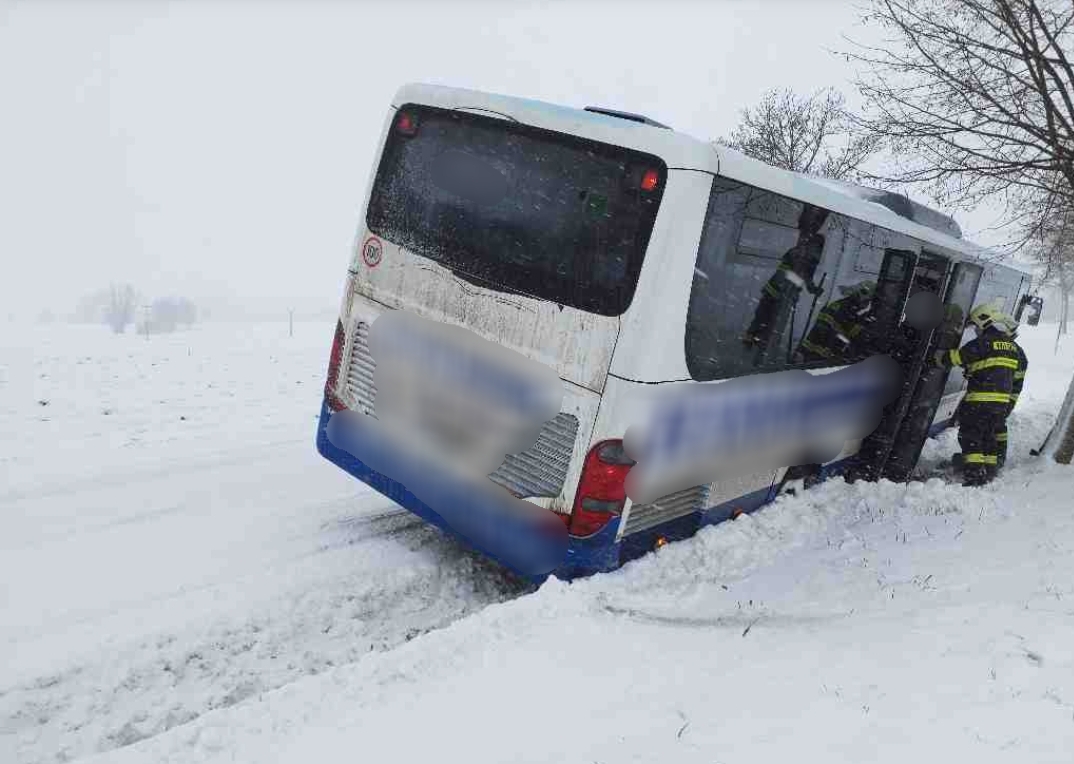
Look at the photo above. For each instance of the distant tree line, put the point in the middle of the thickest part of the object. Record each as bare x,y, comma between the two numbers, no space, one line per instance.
166,314
117,306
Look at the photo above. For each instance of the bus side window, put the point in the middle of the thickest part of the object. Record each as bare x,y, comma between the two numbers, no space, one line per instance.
862,311
760,268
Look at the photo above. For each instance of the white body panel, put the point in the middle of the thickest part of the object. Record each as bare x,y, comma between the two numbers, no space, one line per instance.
650,347
578,345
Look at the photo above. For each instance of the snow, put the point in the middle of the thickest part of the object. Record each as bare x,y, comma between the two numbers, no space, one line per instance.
246,602
171,542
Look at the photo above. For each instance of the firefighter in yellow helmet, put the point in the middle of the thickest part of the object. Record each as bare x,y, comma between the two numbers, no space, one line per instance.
840,334
794,273
990,361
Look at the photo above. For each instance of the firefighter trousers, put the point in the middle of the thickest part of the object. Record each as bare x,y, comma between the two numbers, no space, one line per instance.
1001,436
979,428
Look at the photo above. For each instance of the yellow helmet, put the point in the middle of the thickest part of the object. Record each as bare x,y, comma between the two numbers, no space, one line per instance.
986,315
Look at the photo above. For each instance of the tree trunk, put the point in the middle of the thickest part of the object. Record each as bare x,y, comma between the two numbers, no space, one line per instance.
1064,311
1062,438
1064,305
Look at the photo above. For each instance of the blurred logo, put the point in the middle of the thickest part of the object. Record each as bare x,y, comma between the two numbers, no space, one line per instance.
467,400
751,424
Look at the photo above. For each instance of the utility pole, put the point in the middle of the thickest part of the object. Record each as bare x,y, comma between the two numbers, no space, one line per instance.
291,323
146,309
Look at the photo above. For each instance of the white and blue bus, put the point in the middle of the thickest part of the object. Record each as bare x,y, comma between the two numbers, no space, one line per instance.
634,260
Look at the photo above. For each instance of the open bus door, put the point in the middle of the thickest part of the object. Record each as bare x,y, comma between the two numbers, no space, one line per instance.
1035,303
897,441
933,382
1036,306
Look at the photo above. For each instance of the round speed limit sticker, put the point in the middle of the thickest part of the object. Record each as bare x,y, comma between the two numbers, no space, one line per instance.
372,251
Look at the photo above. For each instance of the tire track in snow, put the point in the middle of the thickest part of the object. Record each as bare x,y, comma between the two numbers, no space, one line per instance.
419,580
746,620
147,471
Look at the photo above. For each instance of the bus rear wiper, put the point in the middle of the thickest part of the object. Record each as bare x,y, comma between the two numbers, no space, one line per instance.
485,283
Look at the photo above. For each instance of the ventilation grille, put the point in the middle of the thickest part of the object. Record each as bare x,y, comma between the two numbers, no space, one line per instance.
539,471
679,504
360,371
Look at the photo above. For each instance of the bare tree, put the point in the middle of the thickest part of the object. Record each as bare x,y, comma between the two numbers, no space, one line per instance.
166,314
122,300
975,98
1052,245
811,134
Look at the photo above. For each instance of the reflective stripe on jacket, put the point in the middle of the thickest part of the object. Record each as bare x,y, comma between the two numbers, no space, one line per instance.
991,361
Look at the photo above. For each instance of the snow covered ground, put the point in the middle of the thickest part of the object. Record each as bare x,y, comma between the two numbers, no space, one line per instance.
206,589
171,542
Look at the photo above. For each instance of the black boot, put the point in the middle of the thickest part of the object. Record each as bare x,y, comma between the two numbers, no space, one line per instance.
975,475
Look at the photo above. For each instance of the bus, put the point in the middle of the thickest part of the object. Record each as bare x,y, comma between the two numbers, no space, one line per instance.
636,261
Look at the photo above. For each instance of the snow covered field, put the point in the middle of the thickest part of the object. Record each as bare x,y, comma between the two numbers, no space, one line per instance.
171,542
185,580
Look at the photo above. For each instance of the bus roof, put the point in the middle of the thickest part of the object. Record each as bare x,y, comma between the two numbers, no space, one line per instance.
684,152
676,149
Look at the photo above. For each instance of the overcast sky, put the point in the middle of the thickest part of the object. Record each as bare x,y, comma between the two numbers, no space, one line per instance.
221,150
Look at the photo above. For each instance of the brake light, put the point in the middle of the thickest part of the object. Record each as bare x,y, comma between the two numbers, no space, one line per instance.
601,493
406,124
650,179
335,362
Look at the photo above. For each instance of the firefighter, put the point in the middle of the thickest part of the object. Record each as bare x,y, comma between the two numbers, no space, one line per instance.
837,334
1016,385
794,273
990,361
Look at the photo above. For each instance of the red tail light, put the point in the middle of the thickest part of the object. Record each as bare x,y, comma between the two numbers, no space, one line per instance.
650,179
601,493
335,363
406,124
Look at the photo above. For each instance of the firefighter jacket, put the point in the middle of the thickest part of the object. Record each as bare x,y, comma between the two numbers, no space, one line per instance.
796,267
837,333
990,361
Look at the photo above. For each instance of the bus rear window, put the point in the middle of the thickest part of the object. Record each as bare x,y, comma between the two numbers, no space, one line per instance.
518,208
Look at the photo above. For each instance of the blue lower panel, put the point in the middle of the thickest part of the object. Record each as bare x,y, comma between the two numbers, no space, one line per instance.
594,554
584,556
509,535
637,544
641,543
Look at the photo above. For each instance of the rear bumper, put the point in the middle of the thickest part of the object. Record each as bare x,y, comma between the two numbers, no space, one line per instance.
512,542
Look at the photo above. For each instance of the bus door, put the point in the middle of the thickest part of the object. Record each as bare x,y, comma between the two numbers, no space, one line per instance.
903,274
1036,308
936,386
